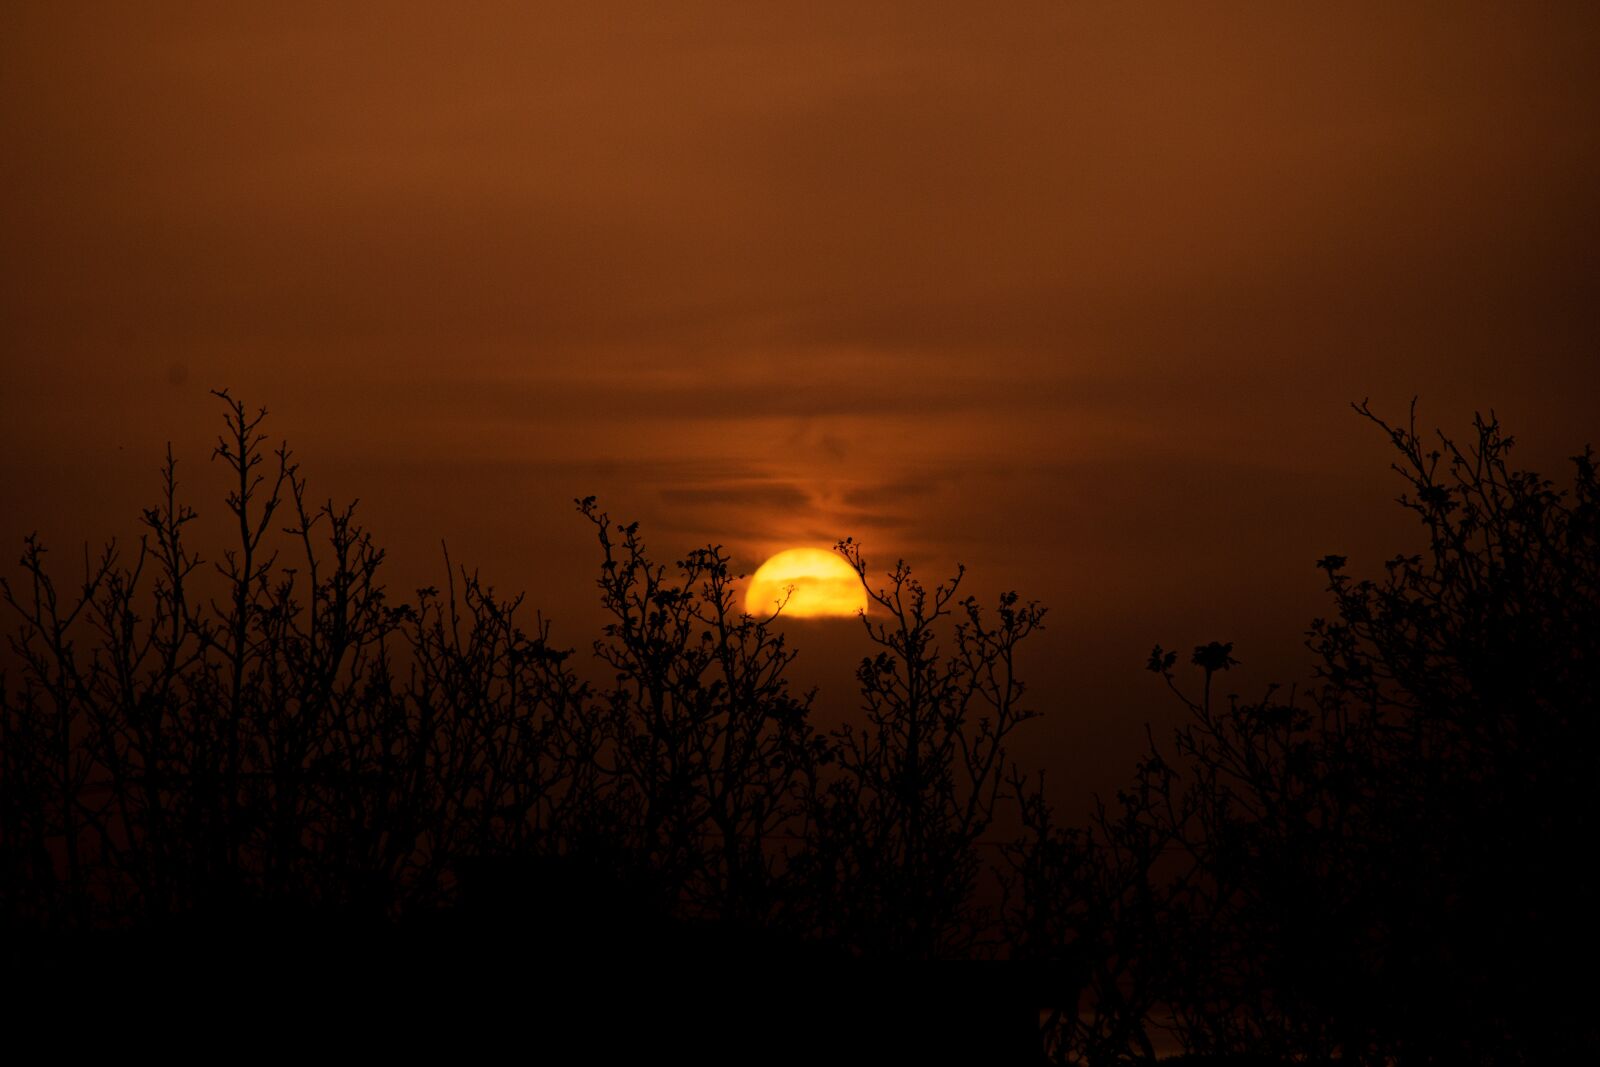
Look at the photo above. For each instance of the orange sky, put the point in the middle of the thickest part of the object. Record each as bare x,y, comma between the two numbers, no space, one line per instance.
1077,295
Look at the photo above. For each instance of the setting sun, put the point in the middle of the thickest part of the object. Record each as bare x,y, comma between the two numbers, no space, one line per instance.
815,582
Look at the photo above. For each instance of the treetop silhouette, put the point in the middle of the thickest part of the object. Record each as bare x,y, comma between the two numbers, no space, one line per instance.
1365,868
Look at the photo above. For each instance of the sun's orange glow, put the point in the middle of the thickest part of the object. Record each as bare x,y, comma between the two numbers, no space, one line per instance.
809,582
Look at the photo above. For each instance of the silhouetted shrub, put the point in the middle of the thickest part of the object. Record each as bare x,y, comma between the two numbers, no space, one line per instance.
272,735
1387,868
892,859
181,739
707,755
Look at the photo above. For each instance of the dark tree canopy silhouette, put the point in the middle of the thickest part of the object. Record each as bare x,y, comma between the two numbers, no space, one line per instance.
1386,867
270,730
1383,866
893,862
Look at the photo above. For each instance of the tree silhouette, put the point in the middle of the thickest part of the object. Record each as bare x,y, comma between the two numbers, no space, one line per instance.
1387,865
1376,869
707,754
893,855
270,736
184,740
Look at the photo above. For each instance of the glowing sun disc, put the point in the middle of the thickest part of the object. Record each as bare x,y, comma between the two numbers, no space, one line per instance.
822,585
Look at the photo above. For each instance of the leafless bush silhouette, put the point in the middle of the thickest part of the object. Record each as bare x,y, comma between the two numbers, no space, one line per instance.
295,738
893,854
270,731
1384,867
707,755
1369,871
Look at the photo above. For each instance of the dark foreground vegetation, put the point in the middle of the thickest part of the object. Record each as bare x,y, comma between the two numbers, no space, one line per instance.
264,764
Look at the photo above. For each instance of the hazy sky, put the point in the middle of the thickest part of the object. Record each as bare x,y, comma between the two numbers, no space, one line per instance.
1075,294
